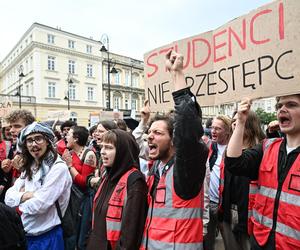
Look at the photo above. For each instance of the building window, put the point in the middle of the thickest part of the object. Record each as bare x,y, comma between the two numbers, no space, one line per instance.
105,78
126,104
90,93
89,49
133,104
50,38
71,67
117,78
72,91
51,89
51,63
117,102
135,80
127,78
71,44
27,89
89,70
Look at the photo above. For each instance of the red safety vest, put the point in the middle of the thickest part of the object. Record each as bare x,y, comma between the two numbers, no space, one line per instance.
116,205
172,223
61,146
222,175
253,188
4,149
287,230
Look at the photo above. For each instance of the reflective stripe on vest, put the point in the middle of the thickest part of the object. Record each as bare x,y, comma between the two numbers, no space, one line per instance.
284,197
159,245
169,213
280,227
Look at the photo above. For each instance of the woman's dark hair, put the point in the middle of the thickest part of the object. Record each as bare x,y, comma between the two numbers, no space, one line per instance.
68,124
28,159
121,124
108,125
92,129
81,134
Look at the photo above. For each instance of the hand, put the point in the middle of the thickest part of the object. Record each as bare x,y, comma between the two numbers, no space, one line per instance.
6,165
273,126
26,196
1,188
145,112
174,61
97,173
94,181
18,162
67,157
243,110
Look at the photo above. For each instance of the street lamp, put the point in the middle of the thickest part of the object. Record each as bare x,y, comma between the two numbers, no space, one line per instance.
21,75
105,40
67,97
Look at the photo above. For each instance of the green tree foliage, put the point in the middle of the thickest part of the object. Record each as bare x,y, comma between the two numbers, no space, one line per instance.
265,117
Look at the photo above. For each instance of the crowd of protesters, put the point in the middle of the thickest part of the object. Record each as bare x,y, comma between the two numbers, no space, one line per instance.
168,184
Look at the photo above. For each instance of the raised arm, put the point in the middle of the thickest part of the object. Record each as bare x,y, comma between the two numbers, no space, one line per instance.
191,152
238,162
235,145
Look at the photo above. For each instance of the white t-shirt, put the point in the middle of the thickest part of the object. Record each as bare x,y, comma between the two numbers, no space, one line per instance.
288,149
215,176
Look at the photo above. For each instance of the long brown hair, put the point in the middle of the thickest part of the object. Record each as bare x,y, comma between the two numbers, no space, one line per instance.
253,133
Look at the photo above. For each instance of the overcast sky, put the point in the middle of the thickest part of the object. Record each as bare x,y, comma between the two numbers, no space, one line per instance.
133,26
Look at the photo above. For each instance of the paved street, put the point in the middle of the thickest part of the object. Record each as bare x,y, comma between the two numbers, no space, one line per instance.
219,243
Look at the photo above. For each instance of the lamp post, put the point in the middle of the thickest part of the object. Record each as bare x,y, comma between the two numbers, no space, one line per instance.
21,75
70,81
105,40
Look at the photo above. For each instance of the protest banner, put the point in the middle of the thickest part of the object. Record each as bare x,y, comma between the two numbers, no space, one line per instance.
60,115
5,108
255,55
110,115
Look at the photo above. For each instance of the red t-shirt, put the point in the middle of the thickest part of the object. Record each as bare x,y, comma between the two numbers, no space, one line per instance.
83,171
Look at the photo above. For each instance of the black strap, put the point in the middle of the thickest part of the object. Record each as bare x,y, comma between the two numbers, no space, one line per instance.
84,154
58,210
214,155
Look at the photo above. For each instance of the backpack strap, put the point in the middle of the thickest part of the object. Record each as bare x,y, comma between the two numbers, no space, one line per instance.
58,210
84,154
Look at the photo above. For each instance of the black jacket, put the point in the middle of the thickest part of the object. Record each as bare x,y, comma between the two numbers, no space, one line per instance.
191,151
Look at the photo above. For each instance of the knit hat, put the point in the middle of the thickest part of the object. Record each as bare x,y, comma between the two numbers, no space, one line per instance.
35,127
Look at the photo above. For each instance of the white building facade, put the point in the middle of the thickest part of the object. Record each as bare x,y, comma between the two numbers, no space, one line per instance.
64,71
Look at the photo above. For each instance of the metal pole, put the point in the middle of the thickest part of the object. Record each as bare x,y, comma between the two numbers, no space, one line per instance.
21,75
20,100
108,75
69,95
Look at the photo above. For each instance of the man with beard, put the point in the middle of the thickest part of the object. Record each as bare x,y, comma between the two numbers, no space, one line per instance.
174,217
275,163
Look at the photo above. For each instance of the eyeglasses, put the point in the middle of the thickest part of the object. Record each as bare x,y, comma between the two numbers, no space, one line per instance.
288,105
37,139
